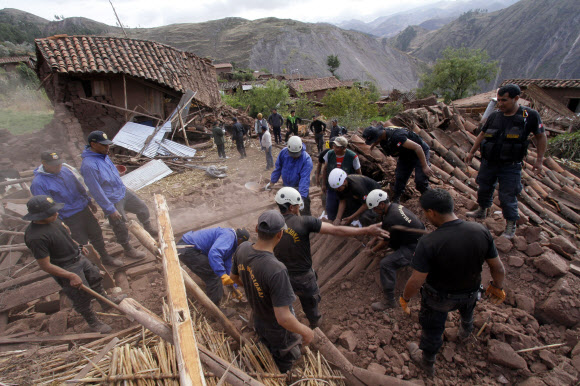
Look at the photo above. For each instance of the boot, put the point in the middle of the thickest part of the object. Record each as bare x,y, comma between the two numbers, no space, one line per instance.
318,323
95,324
114,298
108,260
153,232
510,229
387,303
480,213
462,333
417,355
132,253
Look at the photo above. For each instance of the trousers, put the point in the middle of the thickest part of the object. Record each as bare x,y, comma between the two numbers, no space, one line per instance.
291,131
306,288
133,204
332,202
91,277
269,158
277,134
221,149
84,227
283,344
433,315
319,139
240,146
198,263
510,185
402,257
403,172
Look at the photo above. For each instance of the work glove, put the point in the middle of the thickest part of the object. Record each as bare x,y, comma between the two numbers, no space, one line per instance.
496,295
404,305
236,293
227,280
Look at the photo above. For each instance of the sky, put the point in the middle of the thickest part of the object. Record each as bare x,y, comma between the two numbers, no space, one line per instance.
154,13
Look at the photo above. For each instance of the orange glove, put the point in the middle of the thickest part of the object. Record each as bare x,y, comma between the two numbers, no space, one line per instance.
404,305
496,295
227,280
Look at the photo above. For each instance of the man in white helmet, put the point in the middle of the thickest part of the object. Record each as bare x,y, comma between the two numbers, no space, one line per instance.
294,165
352,191
404,243
294,248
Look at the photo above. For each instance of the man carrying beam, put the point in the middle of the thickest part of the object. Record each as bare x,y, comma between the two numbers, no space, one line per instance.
269,292
403,242
65,260
209,255
294,248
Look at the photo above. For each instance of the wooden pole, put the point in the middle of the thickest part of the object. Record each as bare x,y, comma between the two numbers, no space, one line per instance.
148,319
125,95
122,109
190,371
83,373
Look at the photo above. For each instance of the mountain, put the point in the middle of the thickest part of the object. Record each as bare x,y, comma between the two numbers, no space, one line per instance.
440,12
273,44
530,39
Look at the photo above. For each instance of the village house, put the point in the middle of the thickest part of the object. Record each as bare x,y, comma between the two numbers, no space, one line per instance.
222,70
314,89
565,91
10,63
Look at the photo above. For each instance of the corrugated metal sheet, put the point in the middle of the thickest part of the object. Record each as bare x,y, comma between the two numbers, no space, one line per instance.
147,174
133,136
168,147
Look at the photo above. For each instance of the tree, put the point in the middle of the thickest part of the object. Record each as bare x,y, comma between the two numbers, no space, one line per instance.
353,107
260,99
333,63
456,73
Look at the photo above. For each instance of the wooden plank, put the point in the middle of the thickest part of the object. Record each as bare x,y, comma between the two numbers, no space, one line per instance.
83,373
28,293
23,280
57,338
190,371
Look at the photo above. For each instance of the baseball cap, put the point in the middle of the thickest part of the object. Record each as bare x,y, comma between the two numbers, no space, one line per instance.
50,158
99,137
371,134
271,221
340,141
41,207
242,233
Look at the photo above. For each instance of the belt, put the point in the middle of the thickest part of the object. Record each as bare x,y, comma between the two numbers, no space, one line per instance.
446,295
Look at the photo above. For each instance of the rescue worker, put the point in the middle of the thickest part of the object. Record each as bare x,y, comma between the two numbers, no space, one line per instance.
292,124
266,143
218,134
294,248
275,120
503,144
342,158
294,165
403,243
64,259
412,151
337,131
258,124
269,292
107,188
209,255
62,183
318,128
352,191
238,132
447,269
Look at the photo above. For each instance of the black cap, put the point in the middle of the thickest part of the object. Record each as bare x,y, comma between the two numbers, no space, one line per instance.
41,207
264,127
50,158
242,233
271,221
371,134
99,137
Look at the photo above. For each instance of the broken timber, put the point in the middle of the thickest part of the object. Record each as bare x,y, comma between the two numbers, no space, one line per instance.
190,371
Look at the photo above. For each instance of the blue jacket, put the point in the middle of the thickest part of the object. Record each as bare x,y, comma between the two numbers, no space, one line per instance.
219,244
102,179
63,187
295,172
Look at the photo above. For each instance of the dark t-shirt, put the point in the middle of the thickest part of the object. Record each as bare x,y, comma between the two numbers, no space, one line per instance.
318,126
266,281
453,255
321,155
294,248
393,146
51,240
358,188
399,215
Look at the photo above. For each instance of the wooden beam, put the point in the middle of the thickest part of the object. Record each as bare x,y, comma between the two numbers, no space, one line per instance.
190,371
120,108
57,338
28,293
83,373
23,280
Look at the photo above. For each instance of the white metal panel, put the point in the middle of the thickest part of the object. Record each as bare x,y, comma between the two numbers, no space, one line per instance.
147,174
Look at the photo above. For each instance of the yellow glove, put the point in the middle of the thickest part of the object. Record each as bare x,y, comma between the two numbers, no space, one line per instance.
404,305
227,280
496,295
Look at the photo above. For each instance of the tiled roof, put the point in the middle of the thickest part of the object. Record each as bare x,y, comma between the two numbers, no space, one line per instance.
545,83
14,59
312,85
178,70
223,65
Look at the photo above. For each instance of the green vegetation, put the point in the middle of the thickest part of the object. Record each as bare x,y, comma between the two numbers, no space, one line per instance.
353,107
10,49
456,73
333,63
391,109
261,99
565,146
404,39
21,122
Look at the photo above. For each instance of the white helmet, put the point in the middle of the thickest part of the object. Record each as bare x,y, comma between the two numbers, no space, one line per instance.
288,195
336,178
294,146
375,197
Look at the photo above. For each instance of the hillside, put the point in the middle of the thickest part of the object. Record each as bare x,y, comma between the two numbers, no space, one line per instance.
530,39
